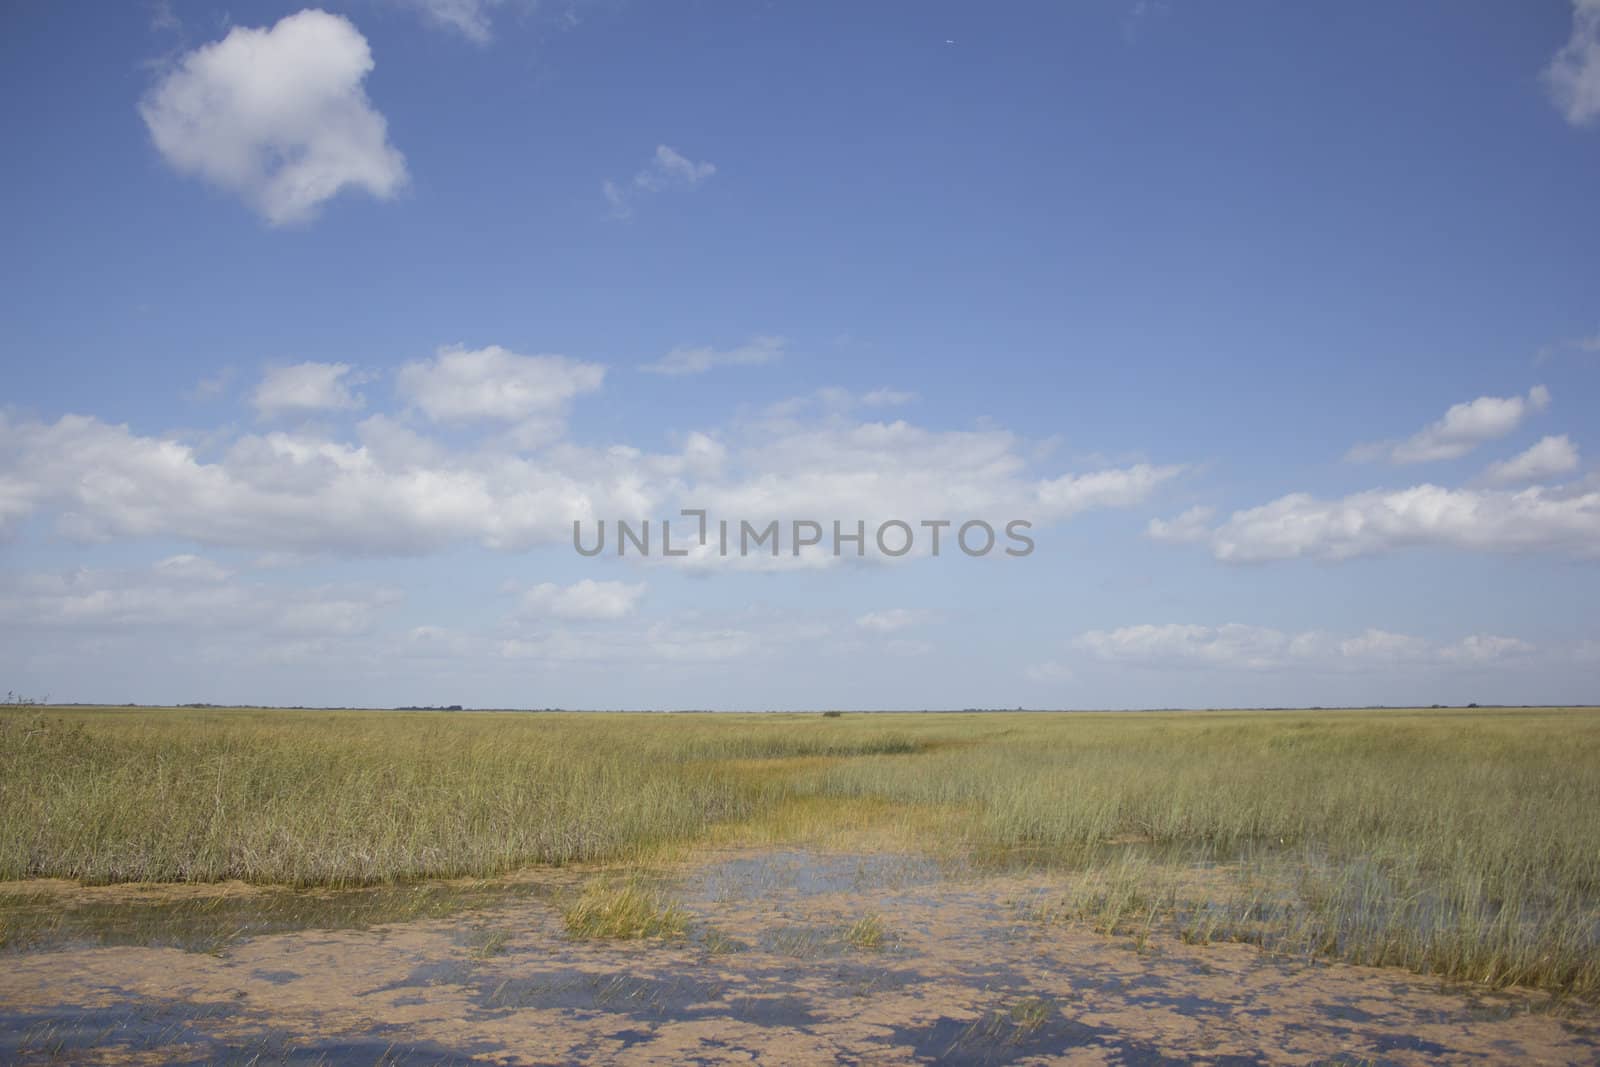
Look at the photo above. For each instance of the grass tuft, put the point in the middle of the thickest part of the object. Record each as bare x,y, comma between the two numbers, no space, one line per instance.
623,909
866,932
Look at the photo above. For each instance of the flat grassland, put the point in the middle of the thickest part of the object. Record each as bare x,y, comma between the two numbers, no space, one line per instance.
1461,843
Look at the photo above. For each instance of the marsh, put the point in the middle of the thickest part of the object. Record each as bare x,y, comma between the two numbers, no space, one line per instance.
1240,886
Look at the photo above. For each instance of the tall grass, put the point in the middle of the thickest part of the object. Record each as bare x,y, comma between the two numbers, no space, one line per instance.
1460,843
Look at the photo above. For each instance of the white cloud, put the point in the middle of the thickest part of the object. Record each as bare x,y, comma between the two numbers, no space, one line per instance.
192,567
1384,646
1049,673
586,599
886,398
1188,528
1573,76
461,384
1486,648
1464,427
469,18
667,169
892,619
297,493
1552,456
1239,647
698,360
277,116
1536,519
1233,644
305,387
658,643
186,593
384,487
1114,488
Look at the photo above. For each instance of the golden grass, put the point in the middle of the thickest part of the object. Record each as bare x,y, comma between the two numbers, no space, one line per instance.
623,909
1460,843
867,932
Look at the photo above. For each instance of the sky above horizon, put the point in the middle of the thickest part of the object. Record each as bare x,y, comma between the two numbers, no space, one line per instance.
1276,323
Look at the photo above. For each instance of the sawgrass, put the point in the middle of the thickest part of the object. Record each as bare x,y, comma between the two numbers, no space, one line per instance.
1454,842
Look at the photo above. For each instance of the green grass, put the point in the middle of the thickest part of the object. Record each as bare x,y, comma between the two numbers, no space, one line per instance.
1459,843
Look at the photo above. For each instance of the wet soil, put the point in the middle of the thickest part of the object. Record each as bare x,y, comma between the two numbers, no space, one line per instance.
475,972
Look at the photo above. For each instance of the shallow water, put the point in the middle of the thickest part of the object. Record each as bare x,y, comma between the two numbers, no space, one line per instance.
475,972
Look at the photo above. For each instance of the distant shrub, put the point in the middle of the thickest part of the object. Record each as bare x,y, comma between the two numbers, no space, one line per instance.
832,714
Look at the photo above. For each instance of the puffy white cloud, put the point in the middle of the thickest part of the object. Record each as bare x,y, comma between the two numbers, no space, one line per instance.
1487,520
698,360
1239,647
1188,528
586,599
387,487
892,619
667,169
305,387
887,398
284,492
461,384
1552,456
838,469
277,116
1573,76
1464,427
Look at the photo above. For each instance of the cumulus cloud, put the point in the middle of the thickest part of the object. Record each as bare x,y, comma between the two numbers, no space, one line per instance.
698,360
304,388
463,385
1464,427
388,486
667,169
308,494
1485,520
1551,457
837,468
1573,76
1240,647
892,619
278,117
586,599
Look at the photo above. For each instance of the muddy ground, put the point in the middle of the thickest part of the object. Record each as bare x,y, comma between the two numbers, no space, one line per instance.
468,973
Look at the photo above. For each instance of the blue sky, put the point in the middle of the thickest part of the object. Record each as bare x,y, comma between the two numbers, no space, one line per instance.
1281,325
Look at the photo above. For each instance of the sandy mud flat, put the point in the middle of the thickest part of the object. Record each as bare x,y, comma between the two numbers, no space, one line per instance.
770,971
